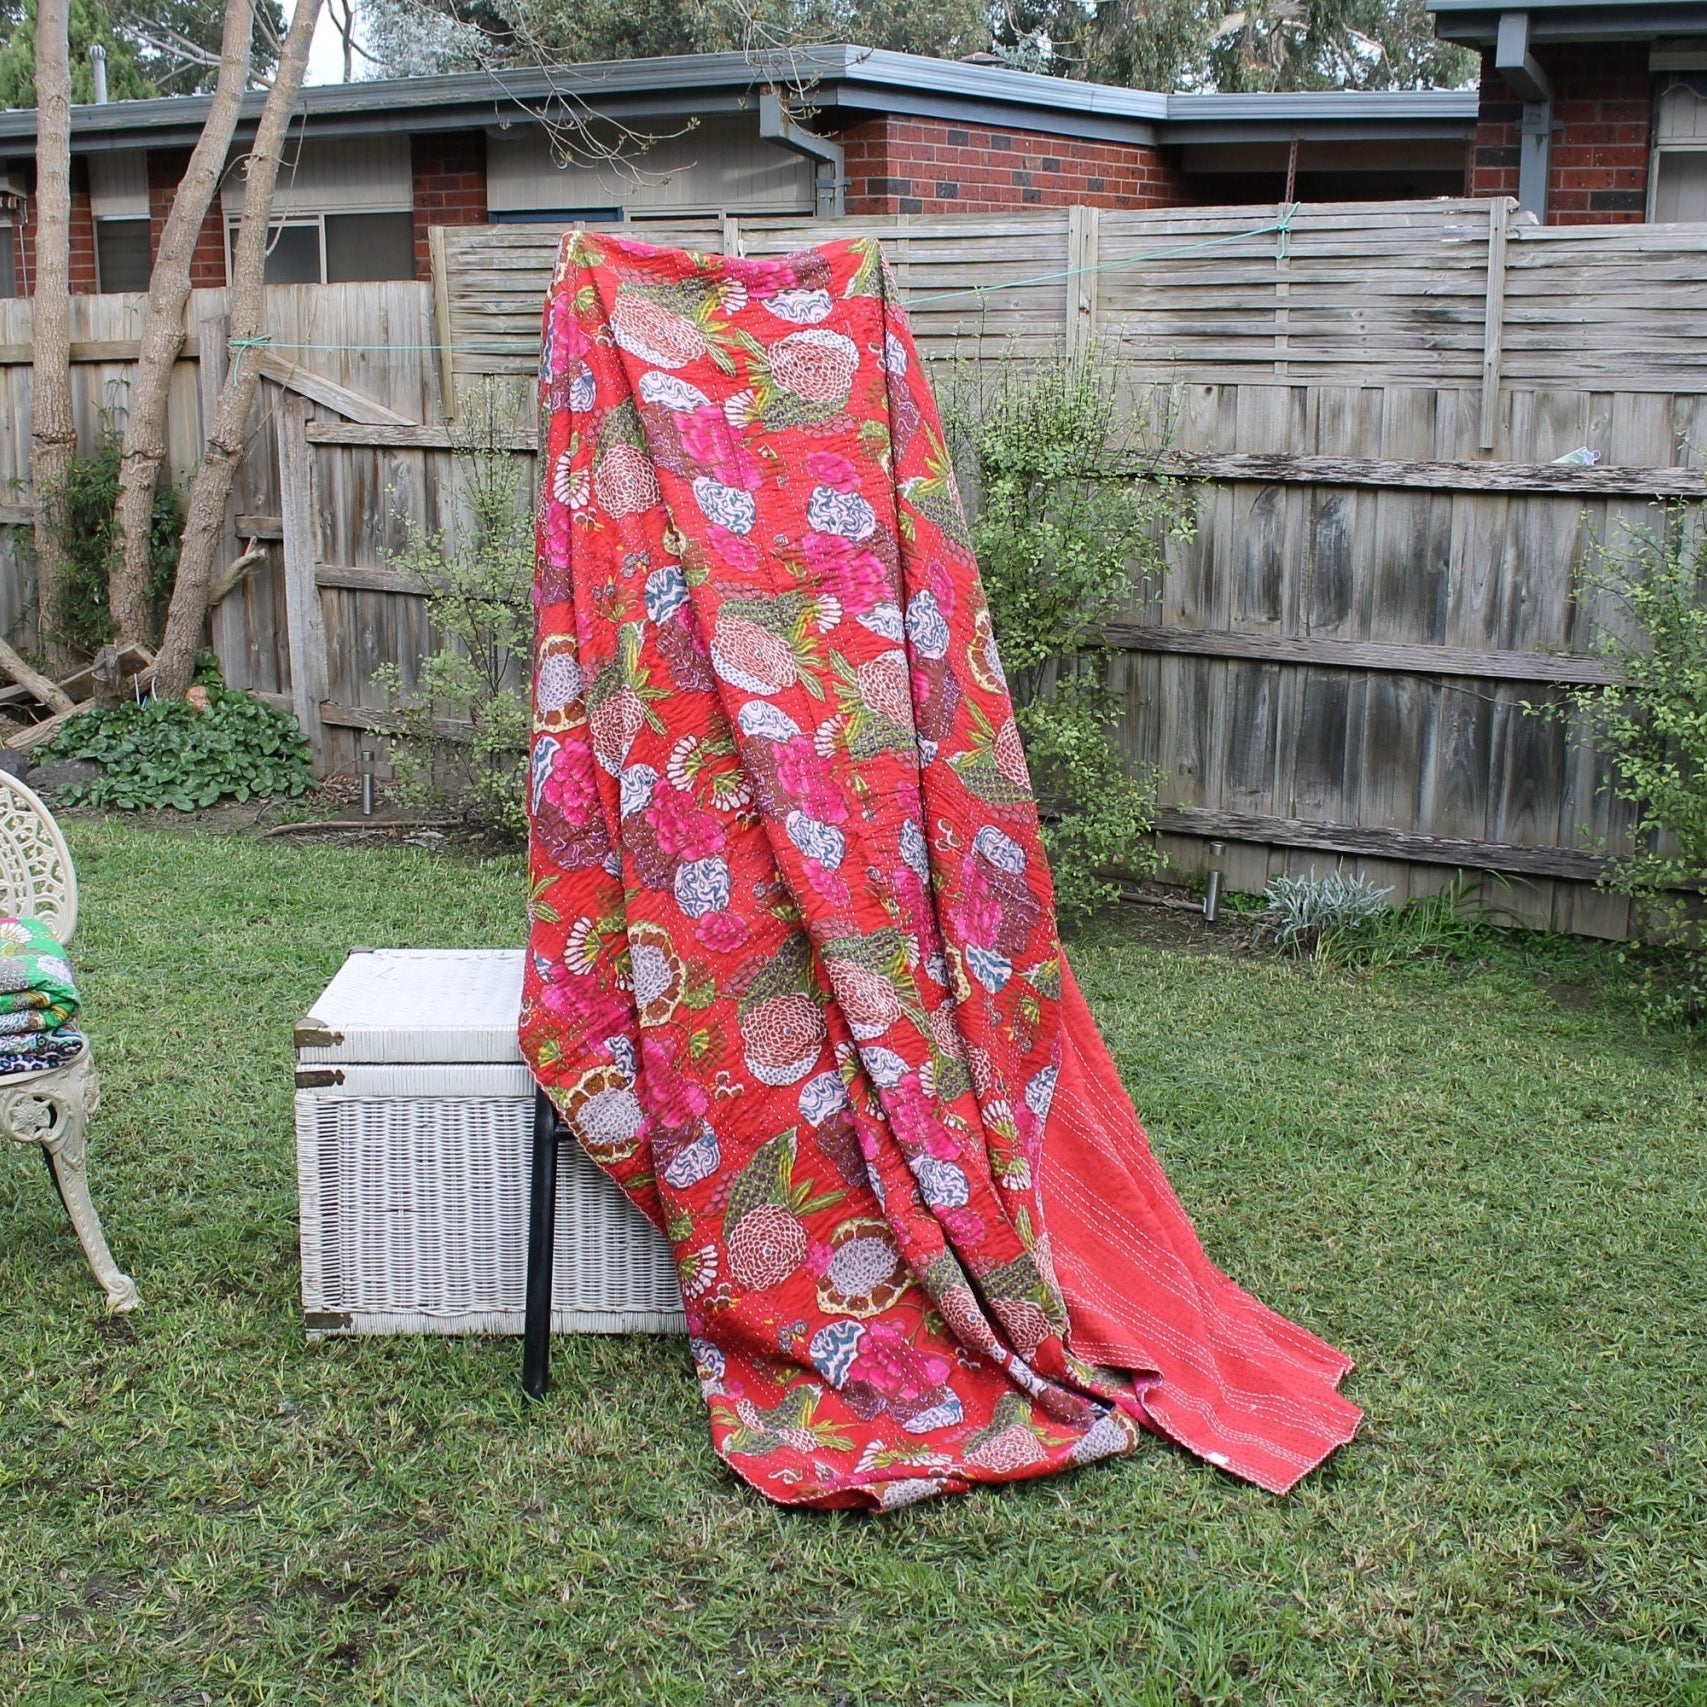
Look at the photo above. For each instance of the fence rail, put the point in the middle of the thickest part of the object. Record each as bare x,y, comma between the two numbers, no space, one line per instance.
1369,401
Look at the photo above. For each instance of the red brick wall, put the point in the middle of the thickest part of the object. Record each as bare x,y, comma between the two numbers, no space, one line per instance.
907,165
83,281
1603,101
449,171
207,260
82,237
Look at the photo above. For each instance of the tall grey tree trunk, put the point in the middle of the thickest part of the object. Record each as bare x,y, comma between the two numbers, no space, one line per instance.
205,524
53,427
163,334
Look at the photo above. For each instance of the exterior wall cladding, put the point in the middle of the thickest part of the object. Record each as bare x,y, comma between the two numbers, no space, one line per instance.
1603,98
916,165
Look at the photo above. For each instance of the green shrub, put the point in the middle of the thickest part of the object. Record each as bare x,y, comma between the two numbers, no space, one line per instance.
1070,524
82,616
459,732
164,752
1652,719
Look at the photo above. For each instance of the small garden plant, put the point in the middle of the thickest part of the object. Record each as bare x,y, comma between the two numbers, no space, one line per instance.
1317,915
459,730
171,752
1070,522
82,616
1652,719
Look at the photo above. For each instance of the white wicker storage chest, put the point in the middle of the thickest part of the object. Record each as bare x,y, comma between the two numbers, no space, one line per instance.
414,1121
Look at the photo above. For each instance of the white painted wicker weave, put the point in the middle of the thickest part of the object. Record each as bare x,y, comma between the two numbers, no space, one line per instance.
414,1121
52,1108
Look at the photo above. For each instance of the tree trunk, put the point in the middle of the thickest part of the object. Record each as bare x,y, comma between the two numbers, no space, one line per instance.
163,335
53,427
204,527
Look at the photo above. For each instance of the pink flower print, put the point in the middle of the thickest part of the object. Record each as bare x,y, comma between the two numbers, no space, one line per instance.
722,933
683,829
964,1225
804,776
737,552
978,912
584,1004
828,469
570,788
671,1098
849,572
894,1368
939,578
707,438
829,884
765,278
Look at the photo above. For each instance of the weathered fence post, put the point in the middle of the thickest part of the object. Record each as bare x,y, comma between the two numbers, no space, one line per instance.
1081,316
305,624
1493,321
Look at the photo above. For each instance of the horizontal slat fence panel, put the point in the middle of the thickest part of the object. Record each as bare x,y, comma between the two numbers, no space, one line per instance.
1368,403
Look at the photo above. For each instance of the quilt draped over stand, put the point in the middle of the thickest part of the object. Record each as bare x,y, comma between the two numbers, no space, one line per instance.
793,974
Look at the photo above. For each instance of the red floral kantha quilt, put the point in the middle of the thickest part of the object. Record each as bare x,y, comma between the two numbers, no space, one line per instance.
793,973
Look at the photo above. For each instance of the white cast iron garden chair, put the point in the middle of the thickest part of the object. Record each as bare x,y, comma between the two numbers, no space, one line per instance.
52,1108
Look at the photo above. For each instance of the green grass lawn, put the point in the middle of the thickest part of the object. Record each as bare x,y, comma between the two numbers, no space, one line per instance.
1485,1182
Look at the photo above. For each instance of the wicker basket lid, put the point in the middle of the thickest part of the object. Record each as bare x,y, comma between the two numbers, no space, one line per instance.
395,1005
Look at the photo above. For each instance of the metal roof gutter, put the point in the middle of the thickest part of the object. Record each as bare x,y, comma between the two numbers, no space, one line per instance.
836,81
1474,23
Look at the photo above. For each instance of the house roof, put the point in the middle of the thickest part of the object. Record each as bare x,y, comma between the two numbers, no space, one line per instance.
842,81
1476,23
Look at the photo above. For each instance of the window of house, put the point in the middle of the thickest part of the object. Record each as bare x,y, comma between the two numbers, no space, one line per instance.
1680,184
124,253
8,263
555,216
339,248
343,213
1677,181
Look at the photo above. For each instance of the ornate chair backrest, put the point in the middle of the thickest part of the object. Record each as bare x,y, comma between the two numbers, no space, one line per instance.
37,879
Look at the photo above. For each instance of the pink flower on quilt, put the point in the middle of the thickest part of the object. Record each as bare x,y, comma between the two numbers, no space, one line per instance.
709,440
570,788
671,1098
852,573
685,831
737,552
828,469
803,774
582,1002
895,1368
722,933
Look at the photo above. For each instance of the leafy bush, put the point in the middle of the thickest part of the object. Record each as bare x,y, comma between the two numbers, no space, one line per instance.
164,752
82,616
1070,522
459,732
1652,719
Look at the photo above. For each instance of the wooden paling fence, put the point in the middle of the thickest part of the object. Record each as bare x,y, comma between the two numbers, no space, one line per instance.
1369,400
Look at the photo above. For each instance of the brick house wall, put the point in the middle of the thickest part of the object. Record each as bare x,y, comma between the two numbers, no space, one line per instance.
82,272
918,165
1603,103
207,260
448,170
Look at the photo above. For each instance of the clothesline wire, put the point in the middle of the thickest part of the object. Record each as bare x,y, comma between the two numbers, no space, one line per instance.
1281,226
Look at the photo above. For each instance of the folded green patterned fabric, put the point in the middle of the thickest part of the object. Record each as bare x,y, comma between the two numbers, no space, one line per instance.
38,998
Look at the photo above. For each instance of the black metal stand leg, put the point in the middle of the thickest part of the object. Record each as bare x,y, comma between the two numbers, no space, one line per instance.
542,1238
